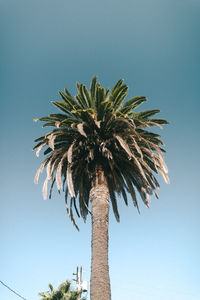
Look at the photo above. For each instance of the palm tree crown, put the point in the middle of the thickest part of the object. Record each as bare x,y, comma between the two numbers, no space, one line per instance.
97,128
63,292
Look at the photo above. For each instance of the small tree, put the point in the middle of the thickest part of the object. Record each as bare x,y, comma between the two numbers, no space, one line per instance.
64,292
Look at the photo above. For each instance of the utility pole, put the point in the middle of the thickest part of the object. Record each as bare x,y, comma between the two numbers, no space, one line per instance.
81,285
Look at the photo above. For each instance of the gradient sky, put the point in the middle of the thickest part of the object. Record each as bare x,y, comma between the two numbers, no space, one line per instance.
48,44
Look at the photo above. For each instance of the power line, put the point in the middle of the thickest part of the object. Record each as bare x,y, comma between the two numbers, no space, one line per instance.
12,290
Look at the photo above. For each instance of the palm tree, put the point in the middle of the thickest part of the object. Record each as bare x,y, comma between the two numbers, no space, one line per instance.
101,147
63,293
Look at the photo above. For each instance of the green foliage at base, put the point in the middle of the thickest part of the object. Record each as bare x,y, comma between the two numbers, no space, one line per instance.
64,292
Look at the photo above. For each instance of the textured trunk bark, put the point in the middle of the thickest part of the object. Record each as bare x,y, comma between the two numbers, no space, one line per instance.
100,280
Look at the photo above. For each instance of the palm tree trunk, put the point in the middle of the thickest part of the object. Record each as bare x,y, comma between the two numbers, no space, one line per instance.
100,280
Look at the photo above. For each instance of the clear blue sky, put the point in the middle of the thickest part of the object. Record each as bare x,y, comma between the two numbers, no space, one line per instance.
48,44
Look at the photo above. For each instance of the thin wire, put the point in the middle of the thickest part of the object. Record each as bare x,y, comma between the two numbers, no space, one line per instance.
12,290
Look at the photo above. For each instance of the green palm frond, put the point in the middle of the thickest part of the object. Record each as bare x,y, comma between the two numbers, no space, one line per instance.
98,127
64,292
